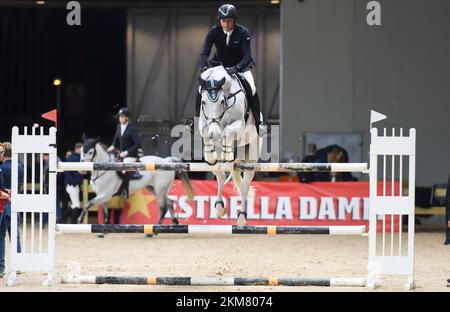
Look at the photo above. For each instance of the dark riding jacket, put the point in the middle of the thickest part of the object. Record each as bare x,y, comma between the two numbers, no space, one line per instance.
237,52
129,141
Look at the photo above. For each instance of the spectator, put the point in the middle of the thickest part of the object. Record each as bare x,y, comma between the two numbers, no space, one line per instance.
73,181
4,196
309,158
62,196
331,154
447,214
5,220
310,153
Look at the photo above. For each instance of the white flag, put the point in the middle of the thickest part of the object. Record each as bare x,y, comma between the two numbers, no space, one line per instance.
376,116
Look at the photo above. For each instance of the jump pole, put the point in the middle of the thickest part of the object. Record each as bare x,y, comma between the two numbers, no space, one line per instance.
204,167
215,281
209,229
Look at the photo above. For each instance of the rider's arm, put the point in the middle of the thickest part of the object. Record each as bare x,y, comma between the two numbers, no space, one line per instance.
137,142
115,143
246,50
204,54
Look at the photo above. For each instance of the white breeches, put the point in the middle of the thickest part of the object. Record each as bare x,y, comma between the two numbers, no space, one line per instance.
129,160
249,78
74,194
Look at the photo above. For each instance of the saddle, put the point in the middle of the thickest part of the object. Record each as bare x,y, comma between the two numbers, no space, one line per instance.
248,94
135,174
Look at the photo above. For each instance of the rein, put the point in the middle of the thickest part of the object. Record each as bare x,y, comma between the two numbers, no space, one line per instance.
93,179
227,107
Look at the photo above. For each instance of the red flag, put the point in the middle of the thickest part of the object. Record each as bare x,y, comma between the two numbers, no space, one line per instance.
51,115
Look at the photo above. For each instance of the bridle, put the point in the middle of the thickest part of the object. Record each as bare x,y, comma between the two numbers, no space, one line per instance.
97,175
225,106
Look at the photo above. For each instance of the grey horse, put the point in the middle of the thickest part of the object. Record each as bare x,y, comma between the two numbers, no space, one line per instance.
107,183
222,125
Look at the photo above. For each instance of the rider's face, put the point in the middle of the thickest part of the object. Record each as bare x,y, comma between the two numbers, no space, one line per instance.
123,119
227,24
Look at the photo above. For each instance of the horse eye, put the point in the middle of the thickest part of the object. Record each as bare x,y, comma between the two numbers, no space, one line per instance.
203,102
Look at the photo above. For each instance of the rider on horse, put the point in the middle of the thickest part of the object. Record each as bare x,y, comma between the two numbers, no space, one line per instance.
128,142
232,42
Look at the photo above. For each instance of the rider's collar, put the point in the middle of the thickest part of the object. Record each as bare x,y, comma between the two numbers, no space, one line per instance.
227,32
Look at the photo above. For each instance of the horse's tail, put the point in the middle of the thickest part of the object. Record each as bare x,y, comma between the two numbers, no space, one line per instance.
183,176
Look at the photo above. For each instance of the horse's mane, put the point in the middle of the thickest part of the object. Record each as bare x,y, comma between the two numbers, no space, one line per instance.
103,145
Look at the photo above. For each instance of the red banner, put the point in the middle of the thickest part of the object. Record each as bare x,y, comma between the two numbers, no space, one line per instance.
275,203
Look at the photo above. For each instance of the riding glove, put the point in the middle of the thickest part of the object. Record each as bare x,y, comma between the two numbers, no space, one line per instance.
232,70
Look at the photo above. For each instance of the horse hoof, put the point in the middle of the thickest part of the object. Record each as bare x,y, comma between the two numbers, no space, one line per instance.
242,220
228,157
148,235
211,158
220,209
175,221
100,235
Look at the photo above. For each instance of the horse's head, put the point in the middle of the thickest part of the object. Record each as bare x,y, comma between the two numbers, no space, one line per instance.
88,152
214,86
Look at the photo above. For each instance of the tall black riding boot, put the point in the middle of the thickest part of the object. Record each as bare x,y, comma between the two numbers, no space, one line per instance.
256,109
126,183
74,215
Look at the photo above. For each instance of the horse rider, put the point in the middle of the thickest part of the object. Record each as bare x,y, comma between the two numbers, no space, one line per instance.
127,142
232,42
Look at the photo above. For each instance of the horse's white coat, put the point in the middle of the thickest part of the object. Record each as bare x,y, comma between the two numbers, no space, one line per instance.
222,122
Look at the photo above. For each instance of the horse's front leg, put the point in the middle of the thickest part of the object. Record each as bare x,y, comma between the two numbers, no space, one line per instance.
245,186
210,153
96,200
220,205
231,133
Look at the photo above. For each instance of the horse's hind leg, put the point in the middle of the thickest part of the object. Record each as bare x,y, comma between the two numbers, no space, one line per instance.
172,212
220,205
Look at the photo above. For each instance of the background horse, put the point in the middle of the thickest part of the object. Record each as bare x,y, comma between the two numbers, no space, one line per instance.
222,125
107,183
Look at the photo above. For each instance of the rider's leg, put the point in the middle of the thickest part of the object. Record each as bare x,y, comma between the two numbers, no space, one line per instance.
255,103
74,194
126,176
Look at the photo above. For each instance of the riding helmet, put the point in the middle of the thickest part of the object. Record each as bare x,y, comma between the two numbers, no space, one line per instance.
123,111
227,11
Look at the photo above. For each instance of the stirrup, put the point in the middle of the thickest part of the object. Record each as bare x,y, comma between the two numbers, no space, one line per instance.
124,194
189,123
262,129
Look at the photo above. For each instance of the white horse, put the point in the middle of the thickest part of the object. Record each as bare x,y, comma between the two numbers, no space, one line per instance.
222,125
107,183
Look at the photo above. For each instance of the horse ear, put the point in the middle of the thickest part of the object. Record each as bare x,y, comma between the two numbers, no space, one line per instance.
201,82
84,137
221,82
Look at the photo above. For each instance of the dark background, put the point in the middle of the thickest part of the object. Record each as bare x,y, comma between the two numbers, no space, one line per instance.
37,45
